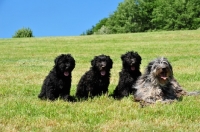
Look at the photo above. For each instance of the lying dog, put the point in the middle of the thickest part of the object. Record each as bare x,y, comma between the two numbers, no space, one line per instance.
158,84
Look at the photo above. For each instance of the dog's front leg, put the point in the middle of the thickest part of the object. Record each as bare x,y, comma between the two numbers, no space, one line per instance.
50,95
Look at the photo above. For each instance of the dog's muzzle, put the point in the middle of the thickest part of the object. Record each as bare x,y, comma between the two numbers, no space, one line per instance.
103,69
133,65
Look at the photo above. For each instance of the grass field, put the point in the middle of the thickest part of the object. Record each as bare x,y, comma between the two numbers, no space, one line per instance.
26,61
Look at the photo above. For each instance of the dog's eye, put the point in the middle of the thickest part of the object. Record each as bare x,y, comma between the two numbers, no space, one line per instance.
154,67
165,63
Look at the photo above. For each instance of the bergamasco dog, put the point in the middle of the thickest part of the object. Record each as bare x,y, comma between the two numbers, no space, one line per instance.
158,84
96,80
58,82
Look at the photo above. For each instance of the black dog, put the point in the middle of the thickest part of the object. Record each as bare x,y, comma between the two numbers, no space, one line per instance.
58,82
129,74
158,84
95,82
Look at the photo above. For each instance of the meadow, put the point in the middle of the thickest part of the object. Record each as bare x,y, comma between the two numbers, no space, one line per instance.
26,61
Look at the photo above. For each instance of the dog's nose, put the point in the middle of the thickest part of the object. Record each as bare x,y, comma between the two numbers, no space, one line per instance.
66,66
132,61
103,64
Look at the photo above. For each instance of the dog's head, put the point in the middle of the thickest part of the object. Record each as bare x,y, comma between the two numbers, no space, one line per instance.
131,61
161,69
64,64
102,64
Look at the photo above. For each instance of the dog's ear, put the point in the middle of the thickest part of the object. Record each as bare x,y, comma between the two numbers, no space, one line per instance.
73,63
148,69
138,57
122,57
170,66
109,61
57,59
93,61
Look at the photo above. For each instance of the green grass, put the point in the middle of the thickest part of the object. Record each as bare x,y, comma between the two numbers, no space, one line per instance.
26,61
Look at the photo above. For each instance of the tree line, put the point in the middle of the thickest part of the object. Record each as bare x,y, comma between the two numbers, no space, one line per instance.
150,15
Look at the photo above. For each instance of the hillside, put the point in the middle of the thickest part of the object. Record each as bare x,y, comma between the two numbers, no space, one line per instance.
26,61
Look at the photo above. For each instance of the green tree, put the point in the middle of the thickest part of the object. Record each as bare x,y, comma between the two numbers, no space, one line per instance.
23,33
176,14
193,11
131,16
125,18
99,25
151,15
99,28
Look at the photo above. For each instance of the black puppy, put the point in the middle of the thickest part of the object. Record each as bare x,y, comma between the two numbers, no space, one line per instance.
58,82
95,82
129,74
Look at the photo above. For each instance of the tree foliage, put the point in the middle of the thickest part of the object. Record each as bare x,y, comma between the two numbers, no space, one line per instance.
23,33
152,15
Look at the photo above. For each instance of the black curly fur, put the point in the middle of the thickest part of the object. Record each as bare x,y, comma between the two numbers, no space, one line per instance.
129,74
95,82
58,82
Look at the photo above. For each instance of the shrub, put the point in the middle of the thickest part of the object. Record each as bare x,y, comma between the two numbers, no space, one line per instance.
23,33
103,30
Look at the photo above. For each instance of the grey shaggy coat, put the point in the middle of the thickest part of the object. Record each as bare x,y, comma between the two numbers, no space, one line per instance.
158,84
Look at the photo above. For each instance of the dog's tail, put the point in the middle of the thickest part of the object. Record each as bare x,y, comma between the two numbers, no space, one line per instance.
194,93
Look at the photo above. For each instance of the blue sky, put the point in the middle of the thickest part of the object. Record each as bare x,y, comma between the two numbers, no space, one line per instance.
53,17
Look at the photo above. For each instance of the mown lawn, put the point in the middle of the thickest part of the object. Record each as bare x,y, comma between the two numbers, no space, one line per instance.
26,61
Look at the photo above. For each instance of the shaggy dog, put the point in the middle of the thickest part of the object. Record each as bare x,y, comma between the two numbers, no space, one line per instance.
158,84
129,74
95,82
58,82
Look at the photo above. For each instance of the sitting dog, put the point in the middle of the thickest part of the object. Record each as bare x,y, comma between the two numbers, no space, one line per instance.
129,74
95,82
158,84
58,82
